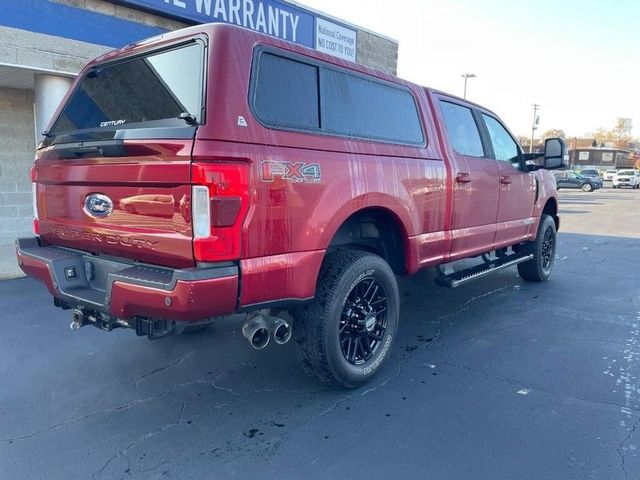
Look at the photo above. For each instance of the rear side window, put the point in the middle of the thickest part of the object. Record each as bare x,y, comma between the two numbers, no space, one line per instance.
286,93
292,94
356,107
151,88
462,129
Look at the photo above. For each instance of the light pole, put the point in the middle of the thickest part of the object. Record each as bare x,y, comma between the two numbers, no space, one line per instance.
534,125
467,76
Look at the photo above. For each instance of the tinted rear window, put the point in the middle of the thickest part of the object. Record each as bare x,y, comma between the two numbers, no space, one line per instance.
357,107
292,94
286,93
159,86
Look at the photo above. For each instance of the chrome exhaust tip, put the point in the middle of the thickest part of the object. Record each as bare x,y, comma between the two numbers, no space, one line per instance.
256,331
280,330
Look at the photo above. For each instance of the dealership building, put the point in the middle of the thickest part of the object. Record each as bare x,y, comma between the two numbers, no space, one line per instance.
45,43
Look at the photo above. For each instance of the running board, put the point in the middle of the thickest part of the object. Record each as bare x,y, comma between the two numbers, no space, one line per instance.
456,279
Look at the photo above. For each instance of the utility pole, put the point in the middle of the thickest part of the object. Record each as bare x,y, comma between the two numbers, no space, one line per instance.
534,125
466,76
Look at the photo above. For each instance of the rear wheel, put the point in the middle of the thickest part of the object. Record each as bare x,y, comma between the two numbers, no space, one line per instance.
344,335
543,248
586,187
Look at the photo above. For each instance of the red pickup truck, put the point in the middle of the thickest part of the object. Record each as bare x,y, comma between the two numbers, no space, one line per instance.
215,170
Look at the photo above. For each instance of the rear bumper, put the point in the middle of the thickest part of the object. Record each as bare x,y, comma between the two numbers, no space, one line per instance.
127,290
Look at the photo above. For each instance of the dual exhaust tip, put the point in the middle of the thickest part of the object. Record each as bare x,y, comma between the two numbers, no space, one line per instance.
259,330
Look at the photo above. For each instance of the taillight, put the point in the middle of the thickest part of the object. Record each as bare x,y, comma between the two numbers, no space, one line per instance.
219,204
34,199
201,211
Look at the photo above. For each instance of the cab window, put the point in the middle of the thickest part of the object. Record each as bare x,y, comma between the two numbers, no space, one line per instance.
462,129
505,147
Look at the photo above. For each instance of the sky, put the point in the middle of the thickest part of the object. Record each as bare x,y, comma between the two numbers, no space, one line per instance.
578,59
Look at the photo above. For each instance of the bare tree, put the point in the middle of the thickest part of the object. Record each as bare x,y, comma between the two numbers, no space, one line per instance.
554,133
619,135
523,140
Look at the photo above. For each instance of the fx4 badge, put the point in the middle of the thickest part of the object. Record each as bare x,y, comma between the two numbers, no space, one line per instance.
291,172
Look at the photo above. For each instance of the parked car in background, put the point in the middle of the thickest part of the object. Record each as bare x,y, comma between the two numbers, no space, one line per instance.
608,175
569,179
627,178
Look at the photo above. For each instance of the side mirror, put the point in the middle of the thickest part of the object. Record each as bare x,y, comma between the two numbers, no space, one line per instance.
555,154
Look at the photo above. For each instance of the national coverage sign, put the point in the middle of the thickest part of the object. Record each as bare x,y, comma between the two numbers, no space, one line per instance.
276,18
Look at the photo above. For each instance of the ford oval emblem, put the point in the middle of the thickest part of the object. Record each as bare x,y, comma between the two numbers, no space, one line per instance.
98,205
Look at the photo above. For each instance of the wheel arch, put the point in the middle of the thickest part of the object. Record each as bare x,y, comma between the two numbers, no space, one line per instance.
551,208
377,230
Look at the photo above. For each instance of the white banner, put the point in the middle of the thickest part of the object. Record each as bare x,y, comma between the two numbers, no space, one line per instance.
336,40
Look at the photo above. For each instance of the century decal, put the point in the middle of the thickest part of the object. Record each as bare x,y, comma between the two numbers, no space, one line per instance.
298,172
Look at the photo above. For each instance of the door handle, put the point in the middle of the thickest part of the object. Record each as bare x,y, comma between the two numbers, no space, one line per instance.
505,179
463,177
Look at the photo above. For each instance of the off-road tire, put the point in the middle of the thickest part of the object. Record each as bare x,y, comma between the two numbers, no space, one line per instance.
316,328
539,268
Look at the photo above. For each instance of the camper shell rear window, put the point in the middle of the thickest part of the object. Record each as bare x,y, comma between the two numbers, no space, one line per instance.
162,88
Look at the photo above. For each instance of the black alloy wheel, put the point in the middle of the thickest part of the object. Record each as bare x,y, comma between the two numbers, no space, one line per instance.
363,321
548,249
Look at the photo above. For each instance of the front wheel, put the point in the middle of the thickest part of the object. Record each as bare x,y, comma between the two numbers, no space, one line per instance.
586,187
344,335
543,248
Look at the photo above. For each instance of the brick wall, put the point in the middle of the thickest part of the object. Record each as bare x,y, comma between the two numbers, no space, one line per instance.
16,157
377,52
48,53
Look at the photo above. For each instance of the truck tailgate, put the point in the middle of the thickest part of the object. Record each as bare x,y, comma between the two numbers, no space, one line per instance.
146,192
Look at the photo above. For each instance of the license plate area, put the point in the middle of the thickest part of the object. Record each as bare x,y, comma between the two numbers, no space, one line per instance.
97,270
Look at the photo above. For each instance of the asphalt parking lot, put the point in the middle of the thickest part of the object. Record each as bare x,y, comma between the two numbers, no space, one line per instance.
498,379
